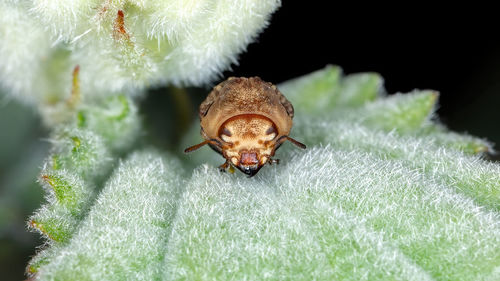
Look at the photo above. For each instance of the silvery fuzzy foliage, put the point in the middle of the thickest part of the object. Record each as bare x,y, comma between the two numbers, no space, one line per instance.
120,46
382,192
83,153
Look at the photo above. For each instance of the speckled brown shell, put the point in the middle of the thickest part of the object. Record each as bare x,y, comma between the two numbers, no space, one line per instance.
237,96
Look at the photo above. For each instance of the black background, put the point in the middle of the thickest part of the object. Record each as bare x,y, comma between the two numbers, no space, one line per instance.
454,50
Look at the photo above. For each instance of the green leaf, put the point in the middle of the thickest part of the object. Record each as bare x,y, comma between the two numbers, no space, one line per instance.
462,142
358,89
132,218
382,192
403,113
324,90
116,120
316,92
329,214
69,190
81,151
56,224
121,47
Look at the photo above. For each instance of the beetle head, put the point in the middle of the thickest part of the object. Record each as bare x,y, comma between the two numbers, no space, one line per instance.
248,141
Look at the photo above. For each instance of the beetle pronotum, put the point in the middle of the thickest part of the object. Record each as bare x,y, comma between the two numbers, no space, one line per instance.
245,120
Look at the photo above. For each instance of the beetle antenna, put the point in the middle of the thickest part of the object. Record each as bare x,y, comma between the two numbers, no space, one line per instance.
297,143
195,147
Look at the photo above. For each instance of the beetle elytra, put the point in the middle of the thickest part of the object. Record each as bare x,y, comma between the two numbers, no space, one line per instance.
245,120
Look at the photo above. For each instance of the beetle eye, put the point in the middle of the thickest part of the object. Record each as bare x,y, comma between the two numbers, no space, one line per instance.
225,135
226,132
270,134
271,130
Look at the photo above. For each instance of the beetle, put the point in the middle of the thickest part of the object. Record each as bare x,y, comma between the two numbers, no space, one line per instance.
245,120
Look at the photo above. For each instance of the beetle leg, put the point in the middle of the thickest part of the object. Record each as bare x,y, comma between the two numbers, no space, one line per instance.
224,166
274,161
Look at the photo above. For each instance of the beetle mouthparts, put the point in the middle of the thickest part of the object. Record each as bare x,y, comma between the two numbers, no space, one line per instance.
249,170
249,159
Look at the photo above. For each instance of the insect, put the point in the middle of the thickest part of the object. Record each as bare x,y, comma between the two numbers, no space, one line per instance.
245,120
